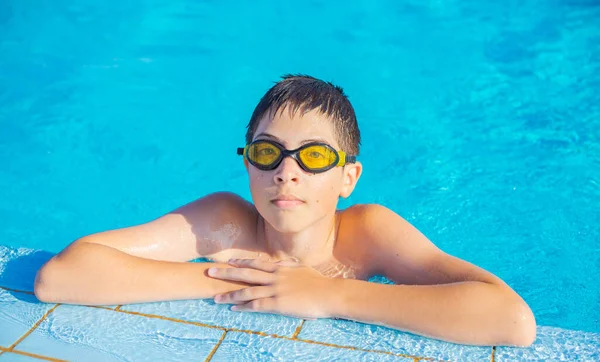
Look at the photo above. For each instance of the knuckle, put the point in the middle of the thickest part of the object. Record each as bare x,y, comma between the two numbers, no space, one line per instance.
229,272
235,295
245,293
257,304
253,262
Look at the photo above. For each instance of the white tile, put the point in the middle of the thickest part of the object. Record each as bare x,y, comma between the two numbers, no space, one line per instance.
92,334
18,313
372,337
13,357
206,311
555,344
244,347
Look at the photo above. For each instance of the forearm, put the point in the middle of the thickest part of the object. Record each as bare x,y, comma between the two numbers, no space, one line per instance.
95,274
467,313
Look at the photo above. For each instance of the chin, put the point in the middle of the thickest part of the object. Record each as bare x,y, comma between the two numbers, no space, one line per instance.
285,221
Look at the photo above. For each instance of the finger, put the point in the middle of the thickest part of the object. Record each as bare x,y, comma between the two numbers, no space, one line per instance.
288,263
254,264
245,295
251,276
264,305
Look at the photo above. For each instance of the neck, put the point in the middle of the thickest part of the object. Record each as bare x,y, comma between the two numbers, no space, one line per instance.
310,246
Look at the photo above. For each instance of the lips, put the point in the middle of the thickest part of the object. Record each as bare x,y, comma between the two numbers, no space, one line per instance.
287,201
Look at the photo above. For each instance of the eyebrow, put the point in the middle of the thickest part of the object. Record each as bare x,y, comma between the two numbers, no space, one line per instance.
268,135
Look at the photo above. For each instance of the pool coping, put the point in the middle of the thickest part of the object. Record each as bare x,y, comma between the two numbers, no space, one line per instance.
222,334
226,330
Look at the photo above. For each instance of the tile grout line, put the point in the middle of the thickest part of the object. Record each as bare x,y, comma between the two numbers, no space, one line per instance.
32,328
263,334
214,350
298,329
363,349
98,307
155,316
17,290
493,353
28,354
33,355
336,345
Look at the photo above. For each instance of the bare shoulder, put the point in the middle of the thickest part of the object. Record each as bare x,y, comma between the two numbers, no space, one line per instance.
200,228
371,224
385,231
367,220
401,252
218,207
359,243
219,221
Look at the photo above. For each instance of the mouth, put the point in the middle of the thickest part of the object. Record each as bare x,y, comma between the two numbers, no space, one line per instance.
287,201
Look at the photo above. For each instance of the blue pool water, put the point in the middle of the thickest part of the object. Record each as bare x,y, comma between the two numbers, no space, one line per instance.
480,122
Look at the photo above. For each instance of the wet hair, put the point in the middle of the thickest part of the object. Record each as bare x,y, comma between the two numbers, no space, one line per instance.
305,93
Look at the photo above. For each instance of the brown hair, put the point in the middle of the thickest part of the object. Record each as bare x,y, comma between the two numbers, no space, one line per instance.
305,93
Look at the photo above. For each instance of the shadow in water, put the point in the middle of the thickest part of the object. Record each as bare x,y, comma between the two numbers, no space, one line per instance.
19,273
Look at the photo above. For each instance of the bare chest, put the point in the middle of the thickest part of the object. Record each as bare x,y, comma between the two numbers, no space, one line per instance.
339,266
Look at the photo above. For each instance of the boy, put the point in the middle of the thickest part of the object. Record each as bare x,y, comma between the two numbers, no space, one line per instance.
292,252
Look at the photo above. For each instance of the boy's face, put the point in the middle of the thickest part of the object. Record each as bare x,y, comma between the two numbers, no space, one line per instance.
289,198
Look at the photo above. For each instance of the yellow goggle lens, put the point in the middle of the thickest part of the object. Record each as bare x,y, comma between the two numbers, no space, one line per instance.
263,153
317,156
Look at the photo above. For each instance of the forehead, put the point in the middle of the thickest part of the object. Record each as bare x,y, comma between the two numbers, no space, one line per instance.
294,127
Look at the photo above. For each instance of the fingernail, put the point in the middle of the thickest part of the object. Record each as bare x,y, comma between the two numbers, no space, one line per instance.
212,271
234,308
217,298
233,260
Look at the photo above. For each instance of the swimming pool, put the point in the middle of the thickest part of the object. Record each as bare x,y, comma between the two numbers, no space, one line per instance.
480,123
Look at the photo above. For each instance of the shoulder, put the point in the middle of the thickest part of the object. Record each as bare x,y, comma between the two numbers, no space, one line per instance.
399,251
365,230
383,236
219,204
377,225
369,219
222,219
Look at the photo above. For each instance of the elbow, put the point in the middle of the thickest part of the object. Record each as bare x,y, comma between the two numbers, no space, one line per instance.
522,332
45,281
54,280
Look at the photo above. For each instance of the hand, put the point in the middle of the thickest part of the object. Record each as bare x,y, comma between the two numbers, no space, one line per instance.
286,288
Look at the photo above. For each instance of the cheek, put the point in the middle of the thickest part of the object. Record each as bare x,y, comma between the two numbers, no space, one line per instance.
257,181
325,191
257,176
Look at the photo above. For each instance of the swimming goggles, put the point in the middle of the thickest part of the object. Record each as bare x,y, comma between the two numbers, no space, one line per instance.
314,157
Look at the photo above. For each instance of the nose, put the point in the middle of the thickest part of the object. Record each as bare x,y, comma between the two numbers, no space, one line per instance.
287,171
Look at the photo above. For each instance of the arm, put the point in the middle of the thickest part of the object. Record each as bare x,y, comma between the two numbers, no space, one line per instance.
437,295
466,312
146,262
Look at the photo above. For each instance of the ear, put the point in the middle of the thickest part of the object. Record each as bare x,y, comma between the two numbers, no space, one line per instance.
351,175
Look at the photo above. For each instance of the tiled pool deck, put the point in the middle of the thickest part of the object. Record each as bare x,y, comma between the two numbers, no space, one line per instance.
199,330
